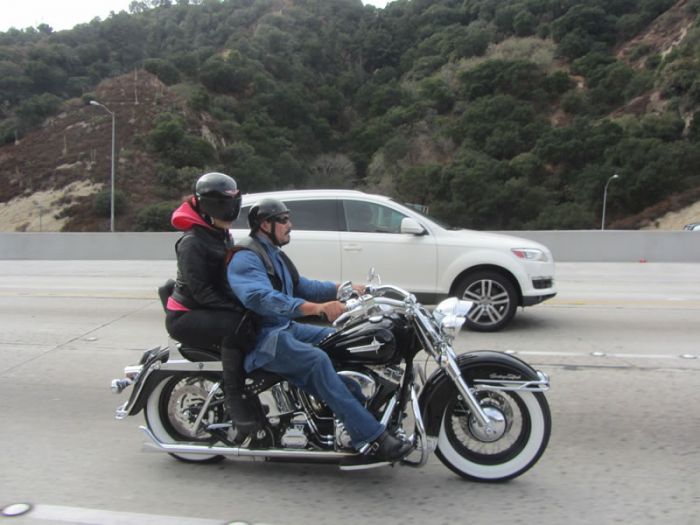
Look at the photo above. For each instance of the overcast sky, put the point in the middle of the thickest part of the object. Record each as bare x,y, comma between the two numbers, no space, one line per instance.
64,14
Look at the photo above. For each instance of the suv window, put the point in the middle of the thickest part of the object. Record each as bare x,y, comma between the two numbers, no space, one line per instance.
370,217
316,215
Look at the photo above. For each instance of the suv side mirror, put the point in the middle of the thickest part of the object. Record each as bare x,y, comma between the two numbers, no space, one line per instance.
409,225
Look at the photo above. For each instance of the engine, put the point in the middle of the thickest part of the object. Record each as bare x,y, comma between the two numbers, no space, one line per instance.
302,420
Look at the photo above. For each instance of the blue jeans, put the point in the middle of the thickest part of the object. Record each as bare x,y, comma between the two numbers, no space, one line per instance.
310,368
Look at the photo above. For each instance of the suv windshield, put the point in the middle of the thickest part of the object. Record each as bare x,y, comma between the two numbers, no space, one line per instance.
422,210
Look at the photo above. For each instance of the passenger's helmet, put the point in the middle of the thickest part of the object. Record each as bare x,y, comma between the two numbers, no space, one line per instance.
217,195
264,210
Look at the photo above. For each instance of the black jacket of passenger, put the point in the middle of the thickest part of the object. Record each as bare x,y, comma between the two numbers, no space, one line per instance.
201,263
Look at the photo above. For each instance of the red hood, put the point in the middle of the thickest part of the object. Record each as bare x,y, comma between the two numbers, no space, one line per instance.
185,217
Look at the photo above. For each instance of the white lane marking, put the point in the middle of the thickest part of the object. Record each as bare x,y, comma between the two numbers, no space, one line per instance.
602,355
84,516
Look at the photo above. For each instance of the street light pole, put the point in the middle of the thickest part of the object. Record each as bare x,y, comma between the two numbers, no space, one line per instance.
111,197
605,199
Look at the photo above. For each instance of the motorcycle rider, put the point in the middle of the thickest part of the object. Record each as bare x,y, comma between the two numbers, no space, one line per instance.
265,280
202,310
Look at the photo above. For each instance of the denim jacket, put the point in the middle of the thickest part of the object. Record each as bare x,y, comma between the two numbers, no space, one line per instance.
277,309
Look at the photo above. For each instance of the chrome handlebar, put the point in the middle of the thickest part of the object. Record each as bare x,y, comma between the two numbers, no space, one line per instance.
370,303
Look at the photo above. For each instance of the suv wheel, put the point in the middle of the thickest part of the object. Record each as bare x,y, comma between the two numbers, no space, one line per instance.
494,298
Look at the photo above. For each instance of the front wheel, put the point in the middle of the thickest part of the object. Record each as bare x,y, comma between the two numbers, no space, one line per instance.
172,409
494,297
522,423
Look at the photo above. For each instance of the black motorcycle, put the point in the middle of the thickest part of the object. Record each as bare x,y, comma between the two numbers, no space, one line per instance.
483,413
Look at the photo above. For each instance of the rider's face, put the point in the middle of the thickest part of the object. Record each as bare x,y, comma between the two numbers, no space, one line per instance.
281,226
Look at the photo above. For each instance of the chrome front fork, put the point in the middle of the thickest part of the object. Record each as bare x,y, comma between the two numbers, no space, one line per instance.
448,362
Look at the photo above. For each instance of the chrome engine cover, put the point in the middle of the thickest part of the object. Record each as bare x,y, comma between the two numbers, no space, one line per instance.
277,400
367,384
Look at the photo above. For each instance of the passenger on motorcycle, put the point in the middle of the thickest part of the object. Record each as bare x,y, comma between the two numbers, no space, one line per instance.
264,279
202,310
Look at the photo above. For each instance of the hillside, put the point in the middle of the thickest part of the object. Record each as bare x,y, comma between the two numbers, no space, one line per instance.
496,116
61,166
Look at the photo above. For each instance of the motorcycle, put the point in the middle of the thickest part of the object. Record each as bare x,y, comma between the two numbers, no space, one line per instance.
482,413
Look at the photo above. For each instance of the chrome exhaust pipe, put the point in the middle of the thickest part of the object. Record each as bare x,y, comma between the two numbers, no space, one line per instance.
185,448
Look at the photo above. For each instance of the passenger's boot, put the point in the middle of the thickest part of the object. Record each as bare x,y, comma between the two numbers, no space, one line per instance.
243,411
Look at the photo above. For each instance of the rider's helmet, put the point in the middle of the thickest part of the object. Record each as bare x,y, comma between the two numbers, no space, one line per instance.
264,210
217,195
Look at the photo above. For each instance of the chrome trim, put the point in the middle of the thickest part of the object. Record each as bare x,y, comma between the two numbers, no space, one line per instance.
374,346
367,385
191,366
190,448
205,407
422,434
453,371
541,384
122,411
119,385
389,410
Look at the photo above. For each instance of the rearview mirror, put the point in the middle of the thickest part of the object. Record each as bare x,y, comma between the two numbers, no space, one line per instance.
409,225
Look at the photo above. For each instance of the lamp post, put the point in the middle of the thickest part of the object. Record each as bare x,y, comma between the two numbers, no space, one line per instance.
111,197
605,199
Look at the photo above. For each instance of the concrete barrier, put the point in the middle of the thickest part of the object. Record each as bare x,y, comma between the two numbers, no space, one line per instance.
567,246
618,245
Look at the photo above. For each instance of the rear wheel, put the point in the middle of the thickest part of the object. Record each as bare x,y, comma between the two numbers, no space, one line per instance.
522,425
172,410
494,297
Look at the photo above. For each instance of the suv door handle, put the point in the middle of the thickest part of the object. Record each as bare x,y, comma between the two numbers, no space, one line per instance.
352,247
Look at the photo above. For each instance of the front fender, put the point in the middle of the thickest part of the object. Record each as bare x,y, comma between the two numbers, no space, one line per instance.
439,388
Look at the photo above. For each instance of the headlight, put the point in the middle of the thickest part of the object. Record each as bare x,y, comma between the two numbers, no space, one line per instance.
451,325
451,314
530,254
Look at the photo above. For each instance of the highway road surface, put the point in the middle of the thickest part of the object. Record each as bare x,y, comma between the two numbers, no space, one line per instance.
621,343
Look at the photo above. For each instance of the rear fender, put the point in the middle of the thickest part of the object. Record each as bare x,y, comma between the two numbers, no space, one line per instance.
154,371
439,388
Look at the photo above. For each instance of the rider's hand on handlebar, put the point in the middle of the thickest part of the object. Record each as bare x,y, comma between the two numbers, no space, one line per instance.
359,288
331,310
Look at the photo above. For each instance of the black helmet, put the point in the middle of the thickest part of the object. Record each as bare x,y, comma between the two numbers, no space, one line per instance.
263,210
217,195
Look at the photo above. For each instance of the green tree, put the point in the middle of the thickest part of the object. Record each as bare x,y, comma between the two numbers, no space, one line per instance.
155,217
38,107
163,69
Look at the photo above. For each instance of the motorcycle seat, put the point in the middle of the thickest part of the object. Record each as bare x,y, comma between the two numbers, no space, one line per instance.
255,382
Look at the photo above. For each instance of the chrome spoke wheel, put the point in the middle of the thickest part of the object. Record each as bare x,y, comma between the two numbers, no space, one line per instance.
508,423
174,407
184,404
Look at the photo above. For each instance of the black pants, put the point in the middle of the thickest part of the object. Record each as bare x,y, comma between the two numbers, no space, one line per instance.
213,329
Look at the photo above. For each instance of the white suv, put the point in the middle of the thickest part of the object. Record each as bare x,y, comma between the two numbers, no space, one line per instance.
339,234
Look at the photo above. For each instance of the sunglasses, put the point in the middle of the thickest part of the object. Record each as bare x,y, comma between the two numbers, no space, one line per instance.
282,220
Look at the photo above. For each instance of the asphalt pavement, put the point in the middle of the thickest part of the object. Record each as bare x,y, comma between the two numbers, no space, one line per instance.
621,343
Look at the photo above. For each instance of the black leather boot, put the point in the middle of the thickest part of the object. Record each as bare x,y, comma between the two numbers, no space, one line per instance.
389,448
382,451
243,412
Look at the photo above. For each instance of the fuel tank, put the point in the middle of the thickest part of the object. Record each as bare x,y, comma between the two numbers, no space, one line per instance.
370,341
